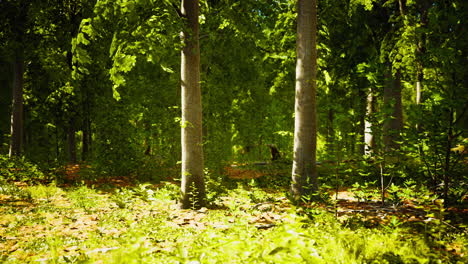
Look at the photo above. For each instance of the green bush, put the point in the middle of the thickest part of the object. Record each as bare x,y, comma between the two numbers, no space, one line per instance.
20,169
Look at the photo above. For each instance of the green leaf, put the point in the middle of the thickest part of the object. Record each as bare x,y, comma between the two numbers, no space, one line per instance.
327,77
115,93
81,39
167,69
277,249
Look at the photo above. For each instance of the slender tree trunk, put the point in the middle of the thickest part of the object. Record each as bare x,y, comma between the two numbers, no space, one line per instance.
392,100
85,139
330,130
147,141
193,185
421,49
87,133
304,172
362,93
419,77
71,139
17,123
447,155
368,135
57,145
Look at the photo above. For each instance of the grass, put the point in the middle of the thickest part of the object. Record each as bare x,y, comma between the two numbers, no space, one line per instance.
142,224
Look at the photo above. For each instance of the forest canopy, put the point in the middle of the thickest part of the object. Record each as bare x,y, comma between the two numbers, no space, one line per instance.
308,97
100,81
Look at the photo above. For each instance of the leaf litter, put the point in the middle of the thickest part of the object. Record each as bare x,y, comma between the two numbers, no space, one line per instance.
27,222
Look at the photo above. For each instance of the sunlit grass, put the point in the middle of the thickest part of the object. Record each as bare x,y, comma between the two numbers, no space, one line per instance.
142,224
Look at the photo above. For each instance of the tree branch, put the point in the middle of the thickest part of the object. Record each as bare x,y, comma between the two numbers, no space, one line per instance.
177,9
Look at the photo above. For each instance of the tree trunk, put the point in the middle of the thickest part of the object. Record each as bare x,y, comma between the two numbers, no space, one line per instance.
85,139
368,135
421,49
193,185
86,125
419,78
71,139
447,155
17,123
393,123
330,130
304,172
362,110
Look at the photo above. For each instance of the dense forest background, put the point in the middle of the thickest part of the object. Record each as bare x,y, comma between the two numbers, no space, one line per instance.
98,82
329,131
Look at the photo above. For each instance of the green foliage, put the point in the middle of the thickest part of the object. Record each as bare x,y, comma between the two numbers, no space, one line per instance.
366,192
12,190
85,198
20,169
215,185
86,225
82,55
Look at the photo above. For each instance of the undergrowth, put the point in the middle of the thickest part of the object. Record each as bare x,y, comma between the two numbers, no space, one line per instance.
141,224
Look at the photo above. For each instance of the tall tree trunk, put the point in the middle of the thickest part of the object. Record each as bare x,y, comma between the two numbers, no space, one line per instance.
368,135
392,101
17,123
304,172
193,185
362,110
330,130
421,49
71,139
86,138
448,148
86,124
419,78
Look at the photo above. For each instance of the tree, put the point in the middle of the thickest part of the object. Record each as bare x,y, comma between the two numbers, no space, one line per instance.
193,185
18,29
304,173
17,123
423,6
368,135
392,100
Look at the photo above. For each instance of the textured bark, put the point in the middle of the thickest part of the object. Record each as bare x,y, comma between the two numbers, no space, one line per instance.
419,87
368,135
17,124
193,185
304,173
362,110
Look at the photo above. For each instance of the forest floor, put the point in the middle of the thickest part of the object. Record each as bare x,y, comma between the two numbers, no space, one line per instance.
120,221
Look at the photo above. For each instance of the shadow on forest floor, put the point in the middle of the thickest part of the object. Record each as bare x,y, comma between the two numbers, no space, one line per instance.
345,205
106,208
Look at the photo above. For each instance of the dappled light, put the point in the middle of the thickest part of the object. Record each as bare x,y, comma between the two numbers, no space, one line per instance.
190,131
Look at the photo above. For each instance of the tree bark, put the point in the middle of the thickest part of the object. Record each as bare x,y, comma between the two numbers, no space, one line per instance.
368,135
304,172
71,143
421,49
330,130
361,128
193,185
393,123
17,123
86,139
448,148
